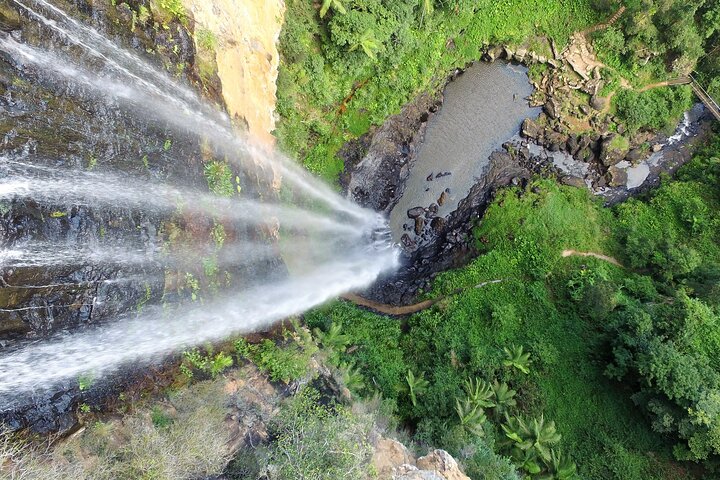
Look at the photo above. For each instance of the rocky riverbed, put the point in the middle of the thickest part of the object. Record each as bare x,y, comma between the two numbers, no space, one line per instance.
602,159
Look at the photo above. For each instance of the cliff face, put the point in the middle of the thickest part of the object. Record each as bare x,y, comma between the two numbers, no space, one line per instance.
246,33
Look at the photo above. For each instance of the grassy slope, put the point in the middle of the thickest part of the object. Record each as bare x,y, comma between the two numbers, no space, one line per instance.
312,85
463,336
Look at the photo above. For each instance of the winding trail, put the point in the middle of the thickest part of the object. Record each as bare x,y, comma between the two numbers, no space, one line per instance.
614,261
407,309
398,311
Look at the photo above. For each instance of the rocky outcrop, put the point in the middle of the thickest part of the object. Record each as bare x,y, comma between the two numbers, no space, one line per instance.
244,34
392,460
379,171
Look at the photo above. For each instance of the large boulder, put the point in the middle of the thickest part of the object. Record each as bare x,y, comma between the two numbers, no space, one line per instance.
618,176
613,149
389,455
441,462
597,102
529,129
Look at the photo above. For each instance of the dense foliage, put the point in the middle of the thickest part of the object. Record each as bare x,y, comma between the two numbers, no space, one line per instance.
352,67
576,325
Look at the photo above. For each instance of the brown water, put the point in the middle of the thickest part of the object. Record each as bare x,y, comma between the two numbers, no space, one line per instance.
483,108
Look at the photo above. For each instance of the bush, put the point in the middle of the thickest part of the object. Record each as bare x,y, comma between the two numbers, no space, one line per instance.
654,109
322,442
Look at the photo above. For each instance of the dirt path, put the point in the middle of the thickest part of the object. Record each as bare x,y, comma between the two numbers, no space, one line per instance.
417,307
407,309
569,253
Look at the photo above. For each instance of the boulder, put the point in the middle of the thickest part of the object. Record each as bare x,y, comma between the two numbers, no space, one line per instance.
440,461
613,149
597,102
573,181
442,199
388,455
419,225
634,155
415,212
437,224
529,129
552,108
585,110
618,176
572,145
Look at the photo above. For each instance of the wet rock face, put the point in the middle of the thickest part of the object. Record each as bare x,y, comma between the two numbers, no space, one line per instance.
378,172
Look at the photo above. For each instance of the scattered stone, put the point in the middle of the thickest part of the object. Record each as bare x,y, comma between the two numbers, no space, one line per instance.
618,176
447,190
585,109
634,155
529,129
443,198
573,181
429,178
442,174
657,147
419,225
415,212
597,102
433,208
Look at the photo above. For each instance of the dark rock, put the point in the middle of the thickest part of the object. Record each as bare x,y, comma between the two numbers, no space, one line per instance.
529,129
438,224
552,108
443,198
572,145
597,102
618,176
573,181
447,190
415,212
419,225
634,155
407,242
433,208
429,178
612,150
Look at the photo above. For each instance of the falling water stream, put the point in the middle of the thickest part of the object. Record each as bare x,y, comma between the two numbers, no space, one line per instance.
340,245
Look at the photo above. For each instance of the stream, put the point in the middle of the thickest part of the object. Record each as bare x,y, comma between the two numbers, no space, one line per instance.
482,108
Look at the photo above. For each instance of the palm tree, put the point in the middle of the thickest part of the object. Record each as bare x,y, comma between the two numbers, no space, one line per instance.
471,416
560,467
479,392
351,377
536,435
416,386
515,357
333,340
504,398
335,4
368,43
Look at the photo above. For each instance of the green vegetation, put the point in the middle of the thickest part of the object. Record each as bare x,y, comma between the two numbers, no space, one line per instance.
304,430
529,365
219,177
210,365
184,437
655,109
286,363
353,63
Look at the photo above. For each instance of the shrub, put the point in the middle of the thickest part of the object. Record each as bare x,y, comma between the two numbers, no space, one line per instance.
322,442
